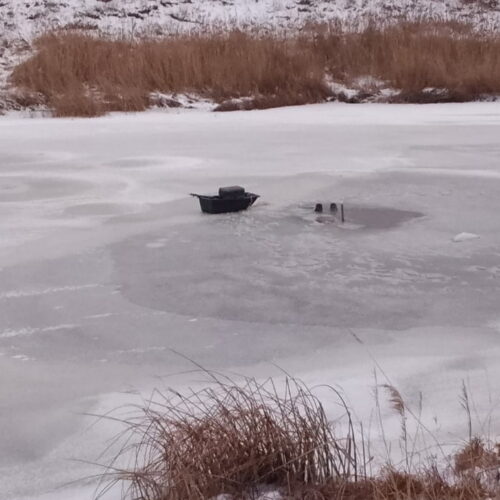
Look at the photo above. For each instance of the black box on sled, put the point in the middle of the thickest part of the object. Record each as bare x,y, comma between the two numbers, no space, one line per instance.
232,192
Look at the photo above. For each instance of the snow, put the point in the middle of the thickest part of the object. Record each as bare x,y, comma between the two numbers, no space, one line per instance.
106,265
22,20
465,237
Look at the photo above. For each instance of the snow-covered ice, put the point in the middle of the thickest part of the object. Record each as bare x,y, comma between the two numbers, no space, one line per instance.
106,264
465,237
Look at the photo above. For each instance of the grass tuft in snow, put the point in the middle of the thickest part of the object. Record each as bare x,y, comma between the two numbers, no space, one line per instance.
233,439
239,439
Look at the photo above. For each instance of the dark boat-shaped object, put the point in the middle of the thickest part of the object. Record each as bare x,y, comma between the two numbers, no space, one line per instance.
229,199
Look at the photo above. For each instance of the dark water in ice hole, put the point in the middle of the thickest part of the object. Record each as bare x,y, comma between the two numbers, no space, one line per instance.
362,216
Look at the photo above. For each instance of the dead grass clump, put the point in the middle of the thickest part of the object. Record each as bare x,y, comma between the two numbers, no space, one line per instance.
429,484
476,456
240,439
425,61
28,100
478,466
363,489
267,102
392,484
418,59
232,439
128,100
218,66
76,103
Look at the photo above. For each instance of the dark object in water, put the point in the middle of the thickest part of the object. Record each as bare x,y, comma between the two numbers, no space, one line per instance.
334,208
229,199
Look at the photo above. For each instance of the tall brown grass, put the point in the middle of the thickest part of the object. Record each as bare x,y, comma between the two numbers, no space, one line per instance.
238,439
83,73
233,439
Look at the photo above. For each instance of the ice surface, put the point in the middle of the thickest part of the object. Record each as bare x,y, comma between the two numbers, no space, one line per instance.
106,264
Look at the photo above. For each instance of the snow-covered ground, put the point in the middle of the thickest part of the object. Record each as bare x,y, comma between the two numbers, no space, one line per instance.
106,264
26,18
23,19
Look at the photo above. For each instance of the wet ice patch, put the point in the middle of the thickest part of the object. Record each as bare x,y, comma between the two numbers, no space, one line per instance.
165,163
360,216
378,217
281,265
101,209
19,188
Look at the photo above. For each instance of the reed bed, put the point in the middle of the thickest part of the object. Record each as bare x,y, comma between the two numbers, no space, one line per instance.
233,439
81,73
239,439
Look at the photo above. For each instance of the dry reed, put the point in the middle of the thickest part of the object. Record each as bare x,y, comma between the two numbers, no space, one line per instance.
233,439
80,73
239,439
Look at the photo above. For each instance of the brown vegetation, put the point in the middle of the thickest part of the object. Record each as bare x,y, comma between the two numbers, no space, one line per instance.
81,73
475,455
234,439
242,439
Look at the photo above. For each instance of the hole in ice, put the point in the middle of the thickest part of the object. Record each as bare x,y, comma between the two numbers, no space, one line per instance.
358,216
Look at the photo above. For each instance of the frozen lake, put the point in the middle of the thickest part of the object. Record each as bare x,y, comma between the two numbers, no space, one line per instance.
106,264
